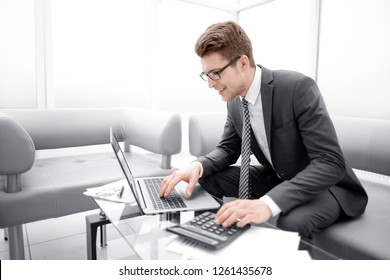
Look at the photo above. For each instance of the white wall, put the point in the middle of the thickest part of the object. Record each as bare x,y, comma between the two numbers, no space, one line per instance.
354,65
107,53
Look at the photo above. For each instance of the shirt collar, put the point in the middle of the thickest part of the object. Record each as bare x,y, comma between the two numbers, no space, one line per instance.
254,90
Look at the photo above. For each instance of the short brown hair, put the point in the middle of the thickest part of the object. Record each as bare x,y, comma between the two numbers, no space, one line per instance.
226,38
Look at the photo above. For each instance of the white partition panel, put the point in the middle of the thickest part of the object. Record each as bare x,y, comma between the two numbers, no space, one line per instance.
354,68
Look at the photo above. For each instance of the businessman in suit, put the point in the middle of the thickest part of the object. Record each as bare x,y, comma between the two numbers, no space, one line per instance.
303,177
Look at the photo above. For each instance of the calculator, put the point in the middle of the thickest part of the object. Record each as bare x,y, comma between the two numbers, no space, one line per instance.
204,230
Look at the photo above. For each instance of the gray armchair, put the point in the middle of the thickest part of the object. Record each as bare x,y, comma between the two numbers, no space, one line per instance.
33,188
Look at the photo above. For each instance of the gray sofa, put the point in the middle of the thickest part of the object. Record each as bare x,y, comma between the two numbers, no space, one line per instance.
366,146
51,185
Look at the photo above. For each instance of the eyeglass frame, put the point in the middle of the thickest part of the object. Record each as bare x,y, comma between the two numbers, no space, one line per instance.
204,75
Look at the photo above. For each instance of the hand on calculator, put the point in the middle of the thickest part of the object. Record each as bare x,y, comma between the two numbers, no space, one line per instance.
204,230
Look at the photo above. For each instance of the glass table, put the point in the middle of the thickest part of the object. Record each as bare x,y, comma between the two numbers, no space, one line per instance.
145,237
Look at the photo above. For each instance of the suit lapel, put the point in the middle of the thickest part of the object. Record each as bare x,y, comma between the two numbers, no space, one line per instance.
258,153
266,99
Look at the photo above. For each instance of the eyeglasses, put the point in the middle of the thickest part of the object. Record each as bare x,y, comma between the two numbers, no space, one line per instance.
215,75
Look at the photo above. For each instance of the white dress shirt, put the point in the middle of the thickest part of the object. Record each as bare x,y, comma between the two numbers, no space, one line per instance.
255,107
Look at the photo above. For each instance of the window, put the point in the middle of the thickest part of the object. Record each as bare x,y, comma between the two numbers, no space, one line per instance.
101,53
283,34
17,55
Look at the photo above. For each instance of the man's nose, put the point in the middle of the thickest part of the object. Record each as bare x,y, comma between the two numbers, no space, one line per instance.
211,82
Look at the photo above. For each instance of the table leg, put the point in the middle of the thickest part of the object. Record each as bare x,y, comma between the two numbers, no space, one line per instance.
93,222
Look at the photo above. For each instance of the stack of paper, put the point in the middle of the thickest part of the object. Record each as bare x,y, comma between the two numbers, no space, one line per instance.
254,243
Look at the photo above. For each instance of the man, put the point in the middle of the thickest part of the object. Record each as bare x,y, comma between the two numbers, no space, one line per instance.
303,176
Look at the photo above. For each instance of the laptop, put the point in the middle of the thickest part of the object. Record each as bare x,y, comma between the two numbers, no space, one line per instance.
146,190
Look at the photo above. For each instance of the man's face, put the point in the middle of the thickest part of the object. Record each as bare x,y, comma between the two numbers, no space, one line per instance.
231,83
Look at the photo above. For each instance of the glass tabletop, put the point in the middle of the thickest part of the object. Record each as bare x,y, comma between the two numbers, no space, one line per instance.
147,237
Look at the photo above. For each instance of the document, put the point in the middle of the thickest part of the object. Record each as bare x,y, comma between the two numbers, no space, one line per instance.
115,191
252,244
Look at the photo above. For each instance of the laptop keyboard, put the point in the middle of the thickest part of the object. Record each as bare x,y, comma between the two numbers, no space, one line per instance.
173,201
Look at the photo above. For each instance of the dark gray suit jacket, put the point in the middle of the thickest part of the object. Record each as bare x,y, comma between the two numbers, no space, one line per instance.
302,140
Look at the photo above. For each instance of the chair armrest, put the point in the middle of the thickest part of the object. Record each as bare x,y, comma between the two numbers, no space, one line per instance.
17,150
205,132
365,142
155,131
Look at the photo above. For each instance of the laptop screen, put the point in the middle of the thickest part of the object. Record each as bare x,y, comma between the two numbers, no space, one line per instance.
123,163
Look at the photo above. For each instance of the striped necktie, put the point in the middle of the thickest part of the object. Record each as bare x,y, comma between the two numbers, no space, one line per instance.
243,191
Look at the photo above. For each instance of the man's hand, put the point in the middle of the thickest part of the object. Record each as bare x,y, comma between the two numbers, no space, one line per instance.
189,175
243,212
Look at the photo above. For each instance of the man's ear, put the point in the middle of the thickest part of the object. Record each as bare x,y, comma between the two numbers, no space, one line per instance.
244,62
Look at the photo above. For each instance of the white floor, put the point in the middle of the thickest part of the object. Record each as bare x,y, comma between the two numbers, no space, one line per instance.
65,238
